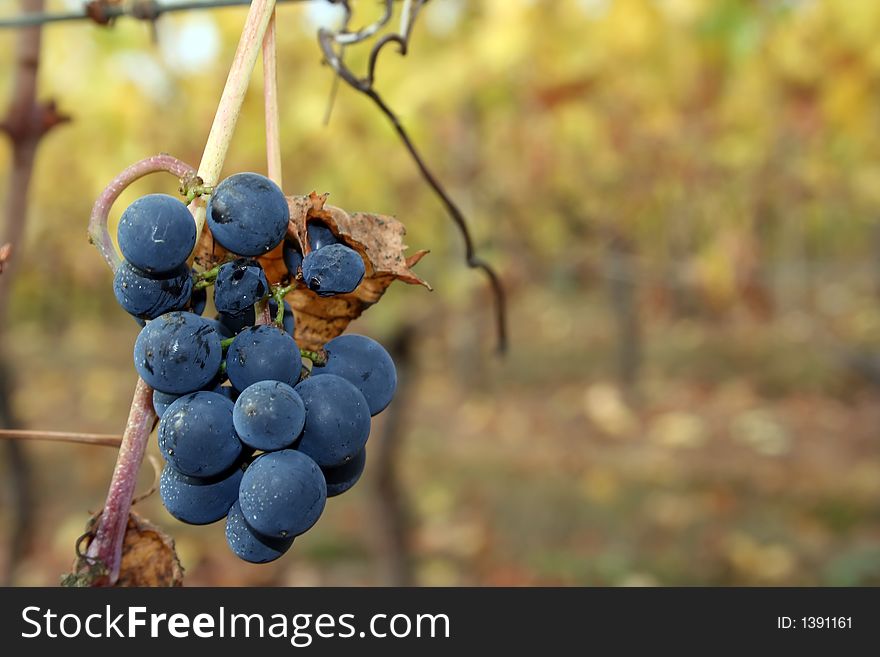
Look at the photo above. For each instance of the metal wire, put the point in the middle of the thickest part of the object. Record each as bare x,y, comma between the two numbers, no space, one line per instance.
138,9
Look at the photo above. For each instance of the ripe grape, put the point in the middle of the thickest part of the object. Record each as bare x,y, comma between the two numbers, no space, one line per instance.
156,233
196,434
234,323
263,353
247,318
199,501
239,285
222,330
247,544
198,301
248,214
227,391
334,269
293,257
363,362
343,477
269,415
178,352
337,420
162,400
147,296
320,235
282,494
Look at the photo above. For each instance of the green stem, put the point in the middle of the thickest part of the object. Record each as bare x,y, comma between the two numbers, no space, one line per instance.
206,278
318,358
278,294
225,343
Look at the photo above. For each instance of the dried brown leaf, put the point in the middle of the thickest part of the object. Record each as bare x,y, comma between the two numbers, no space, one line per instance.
148,558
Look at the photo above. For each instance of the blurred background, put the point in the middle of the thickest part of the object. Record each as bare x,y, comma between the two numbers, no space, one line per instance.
682,197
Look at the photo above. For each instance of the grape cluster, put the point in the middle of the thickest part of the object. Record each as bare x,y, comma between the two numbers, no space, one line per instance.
247,431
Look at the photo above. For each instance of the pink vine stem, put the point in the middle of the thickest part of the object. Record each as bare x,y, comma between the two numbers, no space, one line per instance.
106,546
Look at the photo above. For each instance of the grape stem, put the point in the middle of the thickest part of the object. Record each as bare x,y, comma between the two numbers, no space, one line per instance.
270,96
99,235
220,136
106,547
206,278
318,358
278,294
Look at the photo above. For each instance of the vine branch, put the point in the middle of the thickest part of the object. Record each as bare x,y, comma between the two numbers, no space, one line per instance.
366,85
104,440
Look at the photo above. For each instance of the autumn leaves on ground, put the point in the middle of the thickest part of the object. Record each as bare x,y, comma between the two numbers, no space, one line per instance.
682,199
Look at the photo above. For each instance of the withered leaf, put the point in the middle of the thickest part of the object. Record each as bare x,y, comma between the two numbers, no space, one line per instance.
148,558
379,240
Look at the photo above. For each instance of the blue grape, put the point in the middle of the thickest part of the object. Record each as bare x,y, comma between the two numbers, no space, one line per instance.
293,257
162,400
247,544
178,352
156,233
363,362
320,235
222,330
198,301
199,501
334,269
234,324
196,434
269,415
343,477
227,391
248,214
337,420
147,296
240,284
263,353
282,494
